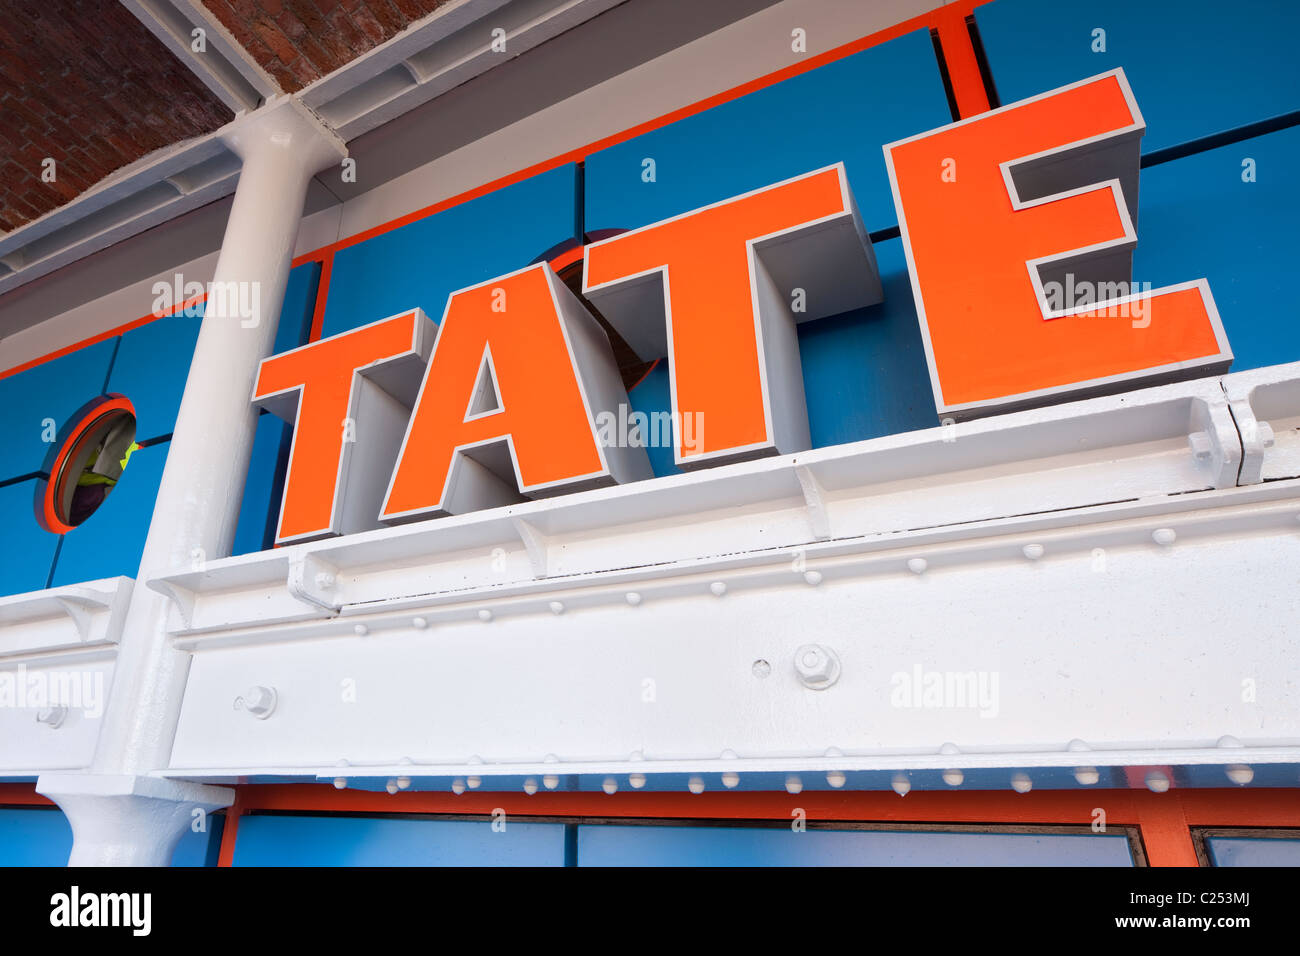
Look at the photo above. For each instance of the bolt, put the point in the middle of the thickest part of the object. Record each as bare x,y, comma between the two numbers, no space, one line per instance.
818,667
258,701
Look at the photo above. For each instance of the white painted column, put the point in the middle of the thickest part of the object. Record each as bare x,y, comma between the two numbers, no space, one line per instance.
119,815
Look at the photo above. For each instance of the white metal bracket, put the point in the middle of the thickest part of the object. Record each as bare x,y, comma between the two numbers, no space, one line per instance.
313,581
535,544
1214,442
814,496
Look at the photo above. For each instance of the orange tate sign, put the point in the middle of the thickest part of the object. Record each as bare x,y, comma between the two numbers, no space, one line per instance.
1018,226
1019,230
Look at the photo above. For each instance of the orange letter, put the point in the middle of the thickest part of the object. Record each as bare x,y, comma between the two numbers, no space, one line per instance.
348,397
1018,226
507,403
736,276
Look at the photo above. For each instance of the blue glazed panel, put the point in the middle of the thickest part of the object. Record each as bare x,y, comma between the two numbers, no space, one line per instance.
263,486
1197,67
150,369
420,263
299,306
264,482
52,390
35,836
841,112
200,848
272,840
28,552
110,541
864,372
1197,218
1252,851
780,846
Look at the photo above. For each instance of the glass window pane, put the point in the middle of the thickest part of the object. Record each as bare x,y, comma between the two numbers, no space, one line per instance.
752,846
270,840
1253,851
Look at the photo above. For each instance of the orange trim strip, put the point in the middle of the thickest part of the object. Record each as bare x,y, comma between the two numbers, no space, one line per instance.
226,855
959,55
322,296
22,795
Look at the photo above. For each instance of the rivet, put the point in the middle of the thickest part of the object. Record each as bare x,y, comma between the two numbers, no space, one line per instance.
610,785
473,782
1164,536
1077,746
636,780
901,784
695,785
392,786
1239,774
360,630
1157,781
403,783
1227,740
718,588
731,780
949,748
1086,776
1021,783
419,623
917,565
761,668
954,778
633,598
530,786
556,607
458,786
793,784
813,577
1033,551
485,615
836,778
340,783
550,781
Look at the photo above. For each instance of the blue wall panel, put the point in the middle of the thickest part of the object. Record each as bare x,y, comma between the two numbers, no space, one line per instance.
41,836
28,549
613,845
1250,851
36,836
864,372
272,840
264,483
1197,218
150,369
420,263
1197,67
841,112
110,541
52,390
263,486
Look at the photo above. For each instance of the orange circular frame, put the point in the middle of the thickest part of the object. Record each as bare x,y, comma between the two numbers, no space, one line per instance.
81,430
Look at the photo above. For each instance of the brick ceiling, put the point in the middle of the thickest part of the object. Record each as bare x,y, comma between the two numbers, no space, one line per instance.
298,41
83,82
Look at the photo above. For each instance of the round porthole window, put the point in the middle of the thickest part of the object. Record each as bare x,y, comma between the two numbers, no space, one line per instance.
88,463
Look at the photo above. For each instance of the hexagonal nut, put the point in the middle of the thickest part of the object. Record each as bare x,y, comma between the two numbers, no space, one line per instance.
818,666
